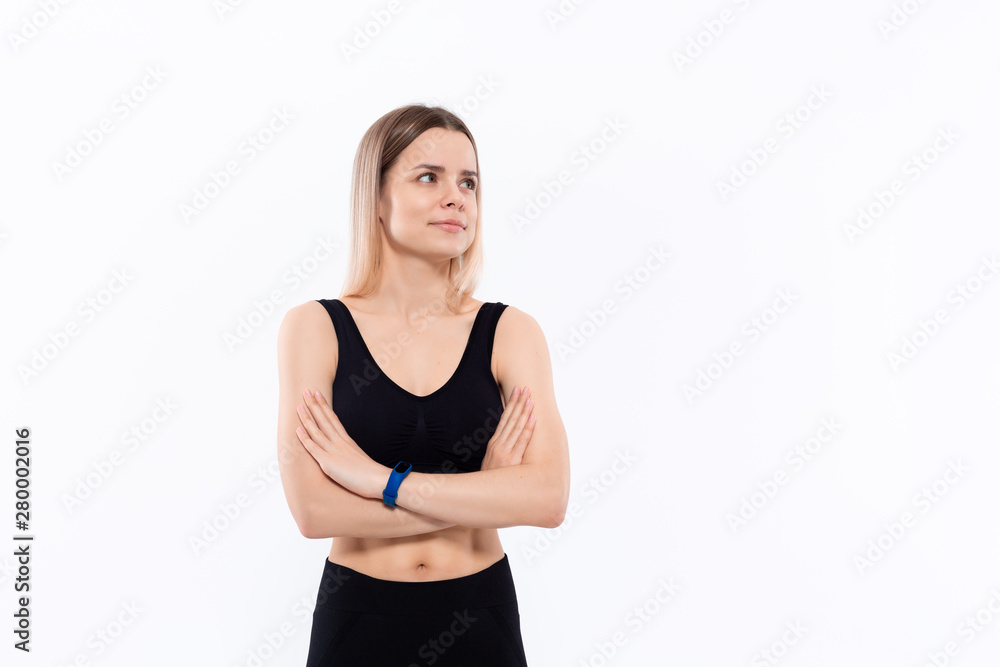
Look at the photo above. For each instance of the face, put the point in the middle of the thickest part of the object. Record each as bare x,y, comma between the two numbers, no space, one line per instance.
433,179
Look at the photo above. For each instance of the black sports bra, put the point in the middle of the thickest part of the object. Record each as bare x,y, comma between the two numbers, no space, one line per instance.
443,432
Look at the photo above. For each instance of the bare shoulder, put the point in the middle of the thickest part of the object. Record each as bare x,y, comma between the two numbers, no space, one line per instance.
306,319
307,332
519,342
515,326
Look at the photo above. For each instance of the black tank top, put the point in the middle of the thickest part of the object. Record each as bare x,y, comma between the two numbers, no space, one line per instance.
444,432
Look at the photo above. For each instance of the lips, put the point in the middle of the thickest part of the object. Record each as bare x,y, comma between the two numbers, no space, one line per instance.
450,225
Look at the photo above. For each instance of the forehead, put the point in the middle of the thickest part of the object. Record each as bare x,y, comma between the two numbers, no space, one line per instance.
449,148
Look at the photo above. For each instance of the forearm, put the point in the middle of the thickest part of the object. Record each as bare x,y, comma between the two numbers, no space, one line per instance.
337,512
520,495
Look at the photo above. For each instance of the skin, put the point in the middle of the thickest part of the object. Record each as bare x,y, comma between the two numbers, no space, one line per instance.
444,525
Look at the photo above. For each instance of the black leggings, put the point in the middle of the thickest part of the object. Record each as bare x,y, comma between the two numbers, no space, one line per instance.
361,621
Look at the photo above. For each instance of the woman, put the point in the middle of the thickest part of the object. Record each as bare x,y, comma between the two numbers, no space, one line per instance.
389,390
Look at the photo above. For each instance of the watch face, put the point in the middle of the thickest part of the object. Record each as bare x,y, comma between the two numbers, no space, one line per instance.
401,467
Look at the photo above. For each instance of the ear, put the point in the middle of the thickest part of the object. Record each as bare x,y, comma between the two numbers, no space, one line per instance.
380,209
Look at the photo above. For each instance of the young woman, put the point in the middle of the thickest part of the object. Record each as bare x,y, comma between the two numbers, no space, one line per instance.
390,391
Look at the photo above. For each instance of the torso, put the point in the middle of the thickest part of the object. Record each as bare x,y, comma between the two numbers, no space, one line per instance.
424,364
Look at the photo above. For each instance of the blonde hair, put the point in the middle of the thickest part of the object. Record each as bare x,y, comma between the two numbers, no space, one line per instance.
377,152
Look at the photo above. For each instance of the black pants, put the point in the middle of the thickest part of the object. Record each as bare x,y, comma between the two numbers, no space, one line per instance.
470,621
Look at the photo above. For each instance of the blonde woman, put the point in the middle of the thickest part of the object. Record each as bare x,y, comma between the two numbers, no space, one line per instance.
394,437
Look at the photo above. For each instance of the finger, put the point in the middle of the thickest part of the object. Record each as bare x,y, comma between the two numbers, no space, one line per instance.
519,414
310,425
524,438
327,410
520,422
321,413
314,450
502,422
523,415
513,411
305,439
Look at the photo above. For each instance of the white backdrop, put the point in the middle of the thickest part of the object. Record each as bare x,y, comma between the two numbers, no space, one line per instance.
759,236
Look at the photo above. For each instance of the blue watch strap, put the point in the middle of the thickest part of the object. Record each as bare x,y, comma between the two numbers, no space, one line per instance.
391,491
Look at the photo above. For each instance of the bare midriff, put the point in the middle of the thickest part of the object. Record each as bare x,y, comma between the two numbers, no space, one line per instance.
448,553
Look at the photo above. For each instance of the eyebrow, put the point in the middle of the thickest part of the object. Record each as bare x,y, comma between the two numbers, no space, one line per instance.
439,168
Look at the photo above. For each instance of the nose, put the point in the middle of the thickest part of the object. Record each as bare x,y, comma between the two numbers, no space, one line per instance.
455,197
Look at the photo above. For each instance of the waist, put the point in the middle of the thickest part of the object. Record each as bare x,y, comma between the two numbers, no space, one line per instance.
444,554
345,589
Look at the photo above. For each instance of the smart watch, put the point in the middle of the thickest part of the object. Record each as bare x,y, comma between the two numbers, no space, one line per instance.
401,470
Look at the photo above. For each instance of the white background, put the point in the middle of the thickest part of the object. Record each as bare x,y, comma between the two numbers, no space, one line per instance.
816,552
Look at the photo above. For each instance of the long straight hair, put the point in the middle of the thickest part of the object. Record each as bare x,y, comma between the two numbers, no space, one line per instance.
377,152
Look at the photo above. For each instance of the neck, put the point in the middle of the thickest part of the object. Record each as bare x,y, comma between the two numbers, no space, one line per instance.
412,288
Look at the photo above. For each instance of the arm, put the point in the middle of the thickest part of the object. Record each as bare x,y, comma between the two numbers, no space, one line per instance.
533,493
307,357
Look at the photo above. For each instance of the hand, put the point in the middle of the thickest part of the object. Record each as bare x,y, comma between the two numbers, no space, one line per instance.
512,434
343,461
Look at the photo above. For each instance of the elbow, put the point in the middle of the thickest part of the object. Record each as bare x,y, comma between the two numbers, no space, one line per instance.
553,520
304,525
556,510
317,530
304,521
307,531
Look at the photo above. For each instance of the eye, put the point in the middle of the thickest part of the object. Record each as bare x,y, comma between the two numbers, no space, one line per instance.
470,181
